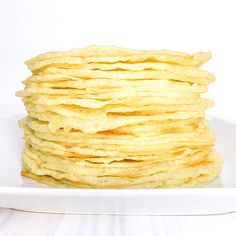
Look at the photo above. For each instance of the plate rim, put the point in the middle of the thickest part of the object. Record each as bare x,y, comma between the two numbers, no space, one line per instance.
117,192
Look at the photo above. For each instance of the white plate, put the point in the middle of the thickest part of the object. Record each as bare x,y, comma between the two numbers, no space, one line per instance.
21,193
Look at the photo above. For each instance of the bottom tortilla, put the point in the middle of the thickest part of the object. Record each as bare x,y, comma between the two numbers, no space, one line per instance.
190,176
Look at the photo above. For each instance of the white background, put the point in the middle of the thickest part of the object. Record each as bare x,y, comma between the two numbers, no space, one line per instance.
29,27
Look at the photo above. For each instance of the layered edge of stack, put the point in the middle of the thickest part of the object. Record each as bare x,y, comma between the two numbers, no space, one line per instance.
109,117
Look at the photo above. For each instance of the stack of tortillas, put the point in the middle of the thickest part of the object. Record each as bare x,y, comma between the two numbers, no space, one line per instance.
109,117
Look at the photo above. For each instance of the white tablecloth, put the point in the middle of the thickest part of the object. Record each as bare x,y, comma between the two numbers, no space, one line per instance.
21,223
